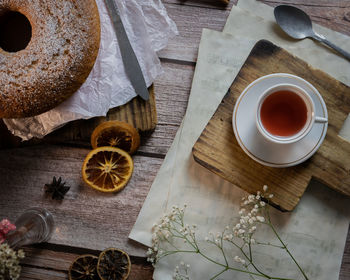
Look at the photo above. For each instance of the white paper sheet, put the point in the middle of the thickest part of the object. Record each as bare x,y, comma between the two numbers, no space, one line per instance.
317,228
149,28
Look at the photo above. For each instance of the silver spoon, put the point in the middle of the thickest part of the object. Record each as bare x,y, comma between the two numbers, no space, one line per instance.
297,24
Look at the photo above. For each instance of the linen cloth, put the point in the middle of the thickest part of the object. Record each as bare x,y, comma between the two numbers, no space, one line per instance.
315,231
149,28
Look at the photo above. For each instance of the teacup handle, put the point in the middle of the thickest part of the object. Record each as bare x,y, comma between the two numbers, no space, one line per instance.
321,120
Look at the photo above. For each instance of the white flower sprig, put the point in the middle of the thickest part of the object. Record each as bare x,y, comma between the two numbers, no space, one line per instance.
9,262
181,272
172,232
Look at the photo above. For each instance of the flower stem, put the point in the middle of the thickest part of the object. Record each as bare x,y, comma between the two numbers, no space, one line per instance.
221,272
229,267
167,253
285,246
251,261
221,248
269,244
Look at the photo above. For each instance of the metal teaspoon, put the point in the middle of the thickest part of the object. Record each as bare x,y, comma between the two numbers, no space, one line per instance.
297,24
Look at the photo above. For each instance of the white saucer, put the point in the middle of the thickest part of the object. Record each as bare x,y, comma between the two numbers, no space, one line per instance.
260,149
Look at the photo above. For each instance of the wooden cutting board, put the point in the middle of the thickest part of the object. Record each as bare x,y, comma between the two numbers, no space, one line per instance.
139,113
217,149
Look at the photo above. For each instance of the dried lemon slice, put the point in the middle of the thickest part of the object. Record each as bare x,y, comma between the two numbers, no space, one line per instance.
107,169
113,264
116,134
84,268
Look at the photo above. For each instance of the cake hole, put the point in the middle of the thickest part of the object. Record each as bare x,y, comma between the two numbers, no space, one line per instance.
15,31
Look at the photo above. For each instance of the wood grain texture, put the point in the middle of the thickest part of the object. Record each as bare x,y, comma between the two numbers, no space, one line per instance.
172,91
41,263
85,218
35,273
190,21
212,4
331,14
139,113
218,150
184,47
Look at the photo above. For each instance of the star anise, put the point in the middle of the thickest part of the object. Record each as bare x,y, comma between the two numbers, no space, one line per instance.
57,188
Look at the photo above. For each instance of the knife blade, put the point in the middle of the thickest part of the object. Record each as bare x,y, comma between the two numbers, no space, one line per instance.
131,64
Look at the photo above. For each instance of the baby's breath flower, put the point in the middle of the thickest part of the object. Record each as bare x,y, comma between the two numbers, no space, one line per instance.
149,251
260,219
172,231
9,262
239,260
251,198
181,273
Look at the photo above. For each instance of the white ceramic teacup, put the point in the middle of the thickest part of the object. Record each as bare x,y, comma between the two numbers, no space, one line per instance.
310,117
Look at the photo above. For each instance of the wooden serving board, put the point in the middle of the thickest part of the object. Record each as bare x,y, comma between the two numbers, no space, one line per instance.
139,113
217,149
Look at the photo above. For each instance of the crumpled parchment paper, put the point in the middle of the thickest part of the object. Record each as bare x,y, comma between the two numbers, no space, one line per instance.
149,28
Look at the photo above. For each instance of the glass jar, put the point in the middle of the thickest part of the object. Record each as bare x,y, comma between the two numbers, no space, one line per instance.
35,225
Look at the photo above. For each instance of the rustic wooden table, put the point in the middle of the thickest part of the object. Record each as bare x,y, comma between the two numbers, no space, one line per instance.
87,221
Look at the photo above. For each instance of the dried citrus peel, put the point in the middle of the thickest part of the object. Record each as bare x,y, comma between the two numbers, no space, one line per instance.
116,134
107,169
113,264
84,268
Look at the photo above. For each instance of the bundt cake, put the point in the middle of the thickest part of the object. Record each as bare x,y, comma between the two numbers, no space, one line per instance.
47,50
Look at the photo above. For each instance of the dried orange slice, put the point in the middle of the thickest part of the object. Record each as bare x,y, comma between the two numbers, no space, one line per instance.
116,134
107,169
84,267
113,264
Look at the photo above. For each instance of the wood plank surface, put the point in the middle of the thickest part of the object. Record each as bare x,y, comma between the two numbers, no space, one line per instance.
171,92
332,14
218,150
85,218
190,21
42,263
